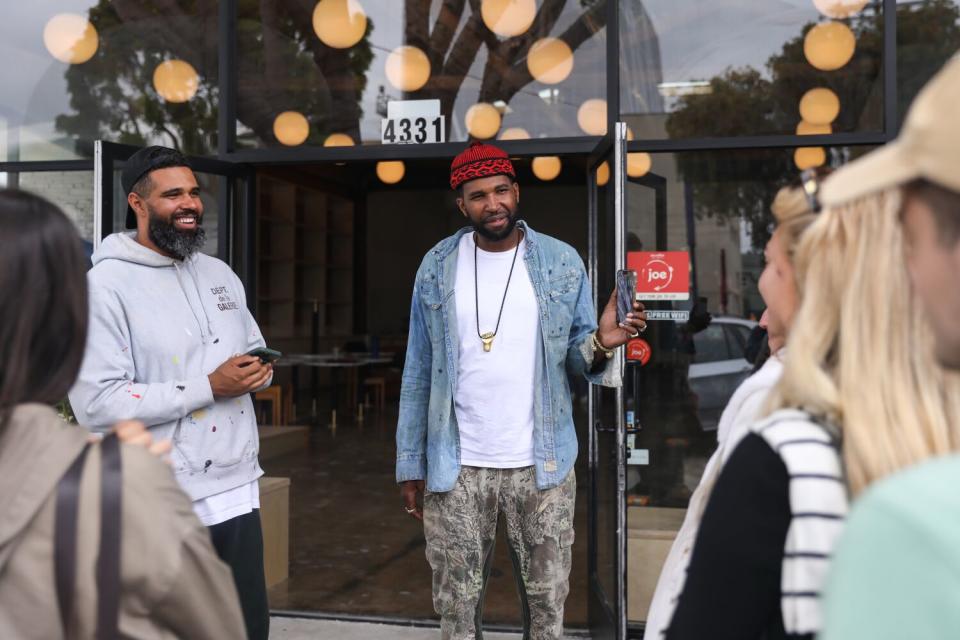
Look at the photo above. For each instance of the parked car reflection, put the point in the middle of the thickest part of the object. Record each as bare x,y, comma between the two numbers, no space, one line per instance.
718,366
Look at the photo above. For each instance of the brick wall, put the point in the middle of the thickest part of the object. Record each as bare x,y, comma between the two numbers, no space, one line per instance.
72,191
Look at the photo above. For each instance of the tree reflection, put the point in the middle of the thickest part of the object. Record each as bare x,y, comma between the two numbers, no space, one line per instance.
284,65
747,102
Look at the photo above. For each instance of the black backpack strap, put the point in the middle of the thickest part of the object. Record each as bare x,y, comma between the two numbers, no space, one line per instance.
108,558
108,561
65,537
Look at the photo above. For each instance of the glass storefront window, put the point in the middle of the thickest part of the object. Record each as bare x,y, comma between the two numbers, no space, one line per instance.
133,71
692,69
928,34
713,208
322,73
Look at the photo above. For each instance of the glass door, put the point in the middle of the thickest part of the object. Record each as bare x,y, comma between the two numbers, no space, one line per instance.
607,439
226,189
696,224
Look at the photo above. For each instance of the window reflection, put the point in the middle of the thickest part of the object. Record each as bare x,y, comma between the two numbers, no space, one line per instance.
133,71
146,71
928,34
517,69
742,68
713,209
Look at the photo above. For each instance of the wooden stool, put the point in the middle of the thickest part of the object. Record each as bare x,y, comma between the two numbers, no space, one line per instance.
379,388
274,395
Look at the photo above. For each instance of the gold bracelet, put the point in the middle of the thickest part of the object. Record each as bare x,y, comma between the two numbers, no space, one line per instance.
597,346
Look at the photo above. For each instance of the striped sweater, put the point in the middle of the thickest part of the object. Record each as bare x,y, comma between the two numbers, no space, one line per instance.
764,544
818,508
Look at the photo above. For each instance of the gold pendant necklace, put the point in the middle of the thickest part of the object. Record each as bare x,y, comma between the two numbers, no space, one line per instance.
487,338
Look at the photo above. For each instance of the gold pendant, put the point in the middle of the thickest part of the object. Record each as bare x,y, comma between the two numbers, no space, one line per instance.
487,340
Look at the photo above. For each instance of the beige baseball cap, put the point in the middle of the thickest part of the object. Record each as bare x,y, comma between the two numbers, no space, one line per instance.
928,146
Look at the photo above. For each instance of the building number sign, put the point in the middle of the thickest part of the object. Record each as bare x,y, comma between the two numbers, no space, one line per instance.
413,122
418,130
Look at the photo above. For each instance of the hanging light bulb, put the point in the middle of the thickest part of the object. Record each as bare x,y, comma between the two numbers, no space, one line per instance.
838,9
338,140
638,164
482,120
546,167
550,60
805,128
176,80
291,128
592,117
809,157
829,45
339,24
390,171
408,68
819,106
70,38
603,174
508,18
514,133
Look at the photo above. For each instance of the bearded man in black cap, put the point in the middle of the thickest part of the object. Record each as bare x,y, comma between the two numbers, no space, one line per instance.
166,326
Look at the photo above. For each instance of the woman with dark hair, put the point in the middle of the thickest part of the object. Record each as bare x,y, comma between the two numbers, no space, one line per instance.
171,583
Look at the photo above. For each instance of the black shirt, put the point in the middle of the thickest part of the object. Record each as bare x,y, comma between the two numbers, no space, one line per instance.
732,590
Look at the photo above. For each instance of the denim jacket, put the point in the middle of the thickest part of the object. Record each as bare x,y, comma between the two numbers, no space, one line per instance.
428,439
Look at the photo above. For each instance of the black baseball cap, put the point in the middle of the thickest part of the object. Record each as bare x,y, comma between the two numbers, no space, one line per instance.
143,162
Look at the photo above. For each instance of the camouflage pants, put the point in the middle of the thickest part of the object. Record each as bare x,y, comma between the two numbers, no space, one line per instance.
461,526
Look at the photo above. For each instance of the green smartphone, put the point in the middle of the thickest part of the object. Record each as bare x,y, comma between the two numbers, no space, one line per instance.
266,355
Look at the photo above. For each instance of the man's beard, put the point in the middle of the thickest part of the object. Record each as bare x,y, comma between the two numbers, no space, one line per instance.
181,244
512,217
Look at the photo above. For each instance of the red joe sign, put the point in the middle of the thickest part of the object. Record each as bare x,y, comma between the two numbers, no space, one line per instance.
661,275
639,349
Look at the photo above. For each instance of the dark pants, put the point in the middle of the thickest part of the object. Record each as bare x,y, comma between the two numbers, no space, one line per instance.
239,543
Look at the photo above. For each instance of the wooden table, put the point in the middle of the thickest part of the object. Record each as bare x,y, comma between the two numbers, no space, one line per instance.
335,362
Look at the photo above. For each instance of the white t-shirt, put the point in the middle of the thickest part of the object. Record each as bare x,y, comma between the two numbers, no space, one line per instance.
494,398
228,504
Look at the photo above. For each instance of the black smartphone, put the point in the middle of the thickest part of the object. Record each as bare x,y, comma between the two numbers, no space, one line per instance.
626,293
266,355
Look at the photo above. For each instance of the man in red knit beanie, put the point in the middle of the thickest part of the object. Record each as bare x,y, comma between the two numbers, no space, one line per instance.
499,315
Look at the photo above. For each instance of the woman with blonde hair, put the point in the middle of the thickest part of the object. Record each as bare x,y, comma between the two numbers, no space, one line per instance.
778,287
859,398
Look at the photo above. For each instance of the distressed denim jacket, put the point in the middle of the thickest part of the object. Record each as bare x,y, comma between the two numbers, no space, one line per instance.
428,439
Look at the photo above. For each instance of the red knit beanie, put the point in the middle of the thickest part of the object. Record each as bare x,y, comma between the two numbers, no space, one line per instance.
480,160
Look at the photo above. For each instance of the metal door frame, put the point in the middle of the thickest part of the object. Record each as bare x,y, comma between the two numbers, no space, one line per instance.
615,612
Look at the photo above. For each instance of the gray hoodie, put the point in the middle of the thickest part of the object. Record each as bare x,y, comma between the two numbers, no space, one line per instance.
158,328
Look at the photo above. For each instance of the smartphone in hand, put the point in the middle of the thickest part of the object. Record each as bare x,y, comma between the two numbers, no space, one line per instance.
266,356
626,293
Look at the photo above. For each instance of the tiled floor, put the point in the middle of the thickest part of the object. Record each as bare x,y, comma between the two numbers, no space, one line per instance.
352,548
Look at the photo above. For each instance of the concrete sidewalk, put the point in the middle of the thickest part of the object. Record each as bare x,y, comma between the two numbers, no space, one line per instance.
309,629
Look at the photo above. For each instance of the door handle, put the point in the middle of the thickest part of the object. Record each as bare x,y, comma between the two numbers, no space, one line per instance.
599,428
